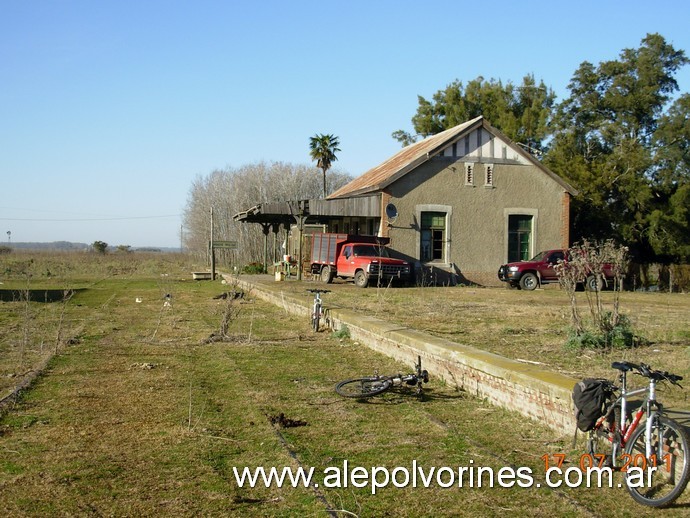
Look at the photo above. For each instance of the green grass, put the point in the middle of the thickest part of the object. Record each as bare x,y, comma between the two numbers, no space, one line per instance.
532,326
142,416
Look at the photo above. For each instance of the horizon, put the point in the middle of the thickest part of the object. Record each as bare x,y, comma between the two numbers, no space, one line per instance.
78,245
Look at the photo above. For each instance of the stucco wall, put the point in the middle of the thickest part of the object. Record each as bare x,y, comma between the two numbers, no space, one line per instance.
477,222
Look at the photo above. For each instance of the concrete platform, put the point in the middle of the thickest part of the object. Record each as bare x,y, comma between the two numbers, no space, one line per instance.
528,389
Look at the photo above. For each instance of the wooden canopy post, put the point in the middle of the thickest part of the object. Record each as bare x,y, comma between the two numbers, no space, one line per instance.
276,228
300,233
265,228
301,218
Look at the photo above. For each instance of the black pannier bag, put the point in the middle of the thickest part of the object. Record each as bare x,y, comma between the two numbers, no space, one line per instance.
589,396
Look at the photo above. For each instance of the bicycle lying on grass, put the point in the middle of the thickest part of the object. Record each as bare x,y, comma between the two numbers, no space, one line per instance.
374,385
317,308
659,445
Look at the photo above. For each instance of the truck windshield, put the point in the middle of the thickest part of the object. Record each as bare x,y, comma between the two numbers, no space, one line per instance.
539,257
554,257
370,251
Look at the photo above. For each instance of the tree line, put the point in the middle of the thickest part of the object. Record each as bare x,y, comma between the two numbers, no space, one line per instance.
234,189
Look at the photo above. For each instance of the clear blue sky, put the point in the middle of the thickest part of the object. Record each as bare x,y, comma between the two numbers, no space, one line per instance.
110,109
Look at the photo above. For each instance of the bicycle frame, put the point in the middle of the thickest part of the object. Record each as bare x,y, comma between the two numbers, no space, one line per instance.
660,443
317,308
317,304
416,378
626,430
377,384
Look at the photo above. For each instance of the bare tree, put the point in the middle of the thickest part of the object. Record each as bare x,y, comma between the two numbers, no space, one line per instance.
233,190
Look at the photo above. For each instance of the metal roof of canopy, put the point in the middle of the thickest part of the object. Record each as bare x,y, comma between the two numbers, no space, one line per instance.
272,213
288,212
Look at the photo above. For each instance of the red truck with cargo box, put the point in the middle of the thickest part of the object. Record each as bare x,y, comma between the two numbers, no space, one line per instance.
362,258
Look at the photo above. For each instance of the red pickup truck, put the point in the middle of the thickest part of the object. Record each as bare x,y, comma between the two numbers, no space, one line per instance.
362,258
528,275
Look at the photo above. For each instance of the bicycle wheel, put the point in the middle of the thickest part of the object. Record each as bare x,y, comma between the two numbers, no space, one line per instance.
363,387
670,443
315,317
606,440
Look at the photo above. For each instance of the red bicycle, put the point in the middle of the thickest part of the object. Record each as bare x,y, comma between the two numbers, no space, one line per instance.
660,445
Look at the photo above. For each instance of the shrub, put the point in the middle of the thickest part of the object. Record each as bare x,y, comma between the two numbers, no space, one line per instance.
253,268
100,246
618,336
583,340
343,333
607,327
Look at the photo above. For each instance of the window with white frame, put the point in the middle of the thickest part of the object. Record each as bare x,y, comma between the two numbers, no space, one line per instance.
433,236
520,228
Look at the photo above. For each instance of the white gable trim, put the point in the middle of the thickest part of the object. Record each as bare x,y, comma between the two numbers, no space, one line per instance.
480,145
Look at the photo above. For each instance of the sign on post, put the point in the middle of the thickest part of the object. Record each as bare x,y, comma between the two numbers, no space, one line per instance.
227,245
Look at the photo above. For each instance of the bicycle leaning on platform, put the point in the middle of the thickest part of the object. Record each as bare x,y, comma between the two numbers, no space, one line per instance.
659,445
376,384
317,308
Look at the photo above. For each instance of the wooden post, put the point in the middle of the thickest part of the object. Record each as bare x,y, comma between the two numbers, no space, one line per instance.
276,229
213,251
265,227
300,227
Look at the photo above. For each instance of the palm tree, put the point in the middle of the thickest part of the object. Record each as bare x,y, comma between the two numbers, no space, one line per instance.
323,149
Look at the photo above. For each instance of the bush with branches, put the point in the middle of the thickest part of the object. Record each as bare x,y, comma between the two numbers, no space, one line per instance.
607,326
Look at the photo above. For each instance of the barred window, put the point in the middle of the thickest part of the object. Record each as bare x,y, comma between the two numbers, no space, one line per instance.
489,171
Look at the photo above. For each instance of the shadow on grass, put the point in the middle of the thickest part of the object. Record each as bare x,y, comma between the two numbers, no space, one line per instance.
399,396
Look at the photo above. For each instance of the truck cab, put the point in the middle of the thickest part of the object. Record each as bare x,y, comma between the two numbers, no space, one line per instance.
529,275
362,258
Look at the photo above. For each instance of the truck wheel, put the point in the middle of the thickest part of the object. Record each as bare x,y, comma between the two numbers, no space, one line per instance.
594,283
529,282
361,279
326,275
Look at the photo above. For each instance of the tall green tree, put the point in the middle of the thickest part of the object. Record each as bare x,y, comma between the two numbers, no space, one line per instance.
323,149
668,230
521,112
613,141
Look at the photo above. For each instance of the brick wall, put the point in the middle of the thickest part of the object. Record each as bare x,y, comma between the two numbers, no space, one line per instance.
565,219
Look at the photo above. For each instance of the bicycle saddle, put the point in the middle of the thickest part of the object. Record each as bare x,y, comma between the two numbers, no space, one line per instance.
624,366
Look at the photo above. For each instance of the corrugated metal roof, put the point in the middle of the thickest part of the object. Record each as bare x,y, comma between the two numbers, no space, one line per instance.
416,154
402,162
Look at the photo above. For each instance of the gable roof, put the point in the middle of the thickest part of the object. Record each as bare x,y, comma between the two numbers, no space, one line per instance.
414,155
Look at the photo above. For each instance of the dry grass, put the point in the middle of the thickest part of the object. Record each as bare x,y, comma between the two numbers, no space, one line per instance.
530,326
140,416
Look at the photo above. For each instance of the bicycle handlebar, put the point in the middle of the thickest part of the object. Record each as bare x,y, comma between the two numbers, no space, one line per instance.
646,371
318,291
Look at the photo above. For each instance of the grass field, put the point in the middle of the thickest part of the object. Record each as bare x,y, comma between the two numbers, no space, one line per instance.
531,326
144,411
